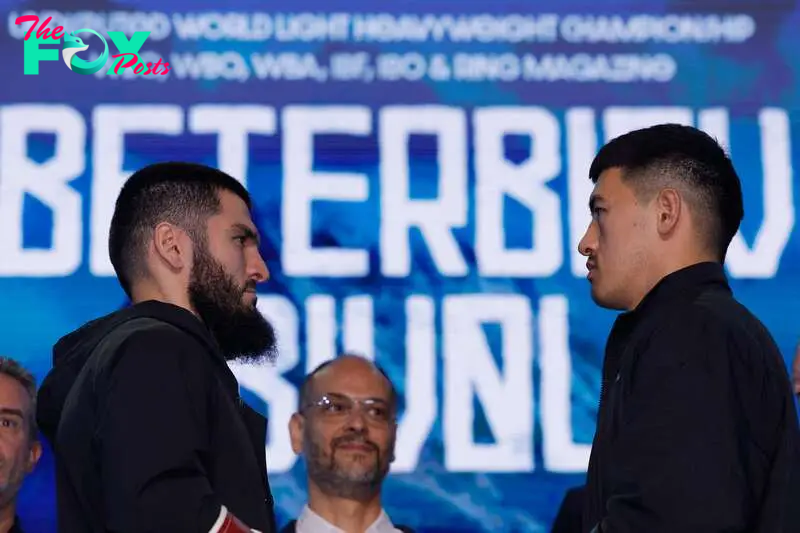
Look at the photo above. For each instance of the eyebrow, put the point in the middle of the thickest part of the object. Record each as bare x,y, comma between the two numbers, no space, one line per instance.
593,199
10,411
247,232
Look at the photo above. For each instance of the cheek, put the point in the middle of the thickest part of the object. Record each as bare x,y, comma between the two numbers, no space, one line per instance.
321,437
382,438
233,258
14,452
607,237
239,256
619,236
227,253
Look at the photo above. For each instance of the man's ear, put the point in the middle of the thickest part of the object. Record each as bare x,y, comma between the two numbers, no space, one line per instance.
172,245
34,455
669,207
297,425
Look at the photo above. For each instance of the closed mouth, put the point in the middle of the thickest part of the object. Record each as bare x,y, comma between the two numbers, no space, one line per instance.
359,446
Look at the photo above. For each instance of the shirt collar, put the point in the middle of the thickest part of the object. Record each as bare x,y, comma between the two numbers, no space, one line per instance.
311,522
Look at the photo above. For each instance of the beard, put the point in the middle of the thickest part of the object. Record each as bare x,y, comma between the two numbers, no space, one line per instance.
352,481
241,331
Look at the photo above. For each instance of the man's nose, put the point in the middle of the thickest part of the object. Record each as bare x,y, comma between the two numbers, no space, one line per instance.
258,268
587,244
356,419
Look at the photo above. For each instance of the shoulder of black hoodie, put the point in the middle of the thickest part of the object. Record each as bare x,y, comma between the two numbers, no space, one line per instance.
152,430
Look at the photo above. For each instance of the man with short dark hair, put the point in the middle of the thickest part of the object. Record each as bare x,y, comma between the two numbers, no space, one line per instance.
144,415
20,449
696,428
345,428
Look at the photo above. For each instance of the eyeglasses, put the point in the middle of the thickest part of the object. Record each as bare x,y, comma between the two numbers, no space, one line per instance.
340,407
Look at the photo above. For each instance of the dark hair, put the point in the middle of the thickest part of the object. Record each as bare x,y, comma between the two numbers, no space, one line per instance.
184,194
14,370
305,388
673,154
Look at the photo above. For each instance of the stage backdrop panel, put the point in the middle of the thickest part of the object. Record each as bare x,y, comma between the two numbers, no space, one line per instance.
420,179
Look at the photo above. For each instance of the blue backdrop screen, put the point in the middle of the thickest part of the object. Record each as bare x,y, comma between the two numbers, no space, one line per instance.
420,176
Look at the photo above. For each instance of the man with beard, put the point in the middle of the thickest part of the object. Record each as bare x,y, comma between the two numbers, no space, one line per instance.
345,427
143,413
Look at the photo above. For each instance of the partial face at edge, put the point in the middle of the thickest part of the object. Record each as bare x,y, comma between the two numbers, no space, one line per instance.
18,454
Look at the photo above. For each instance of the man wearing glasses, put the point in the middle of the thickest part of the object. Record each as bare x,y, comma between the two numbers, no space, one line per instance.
345,428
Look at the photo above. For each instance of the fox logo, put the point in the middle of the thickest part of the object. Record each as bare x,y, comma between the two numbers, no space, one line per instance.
74,44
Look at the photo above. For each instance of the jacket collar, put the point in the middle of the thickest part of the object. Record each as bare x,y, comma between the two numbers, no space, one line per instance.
186,321
683,284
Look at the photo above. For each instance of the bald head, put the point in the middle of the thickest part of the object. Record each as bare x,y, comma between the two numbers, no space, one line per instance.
348,371
346,428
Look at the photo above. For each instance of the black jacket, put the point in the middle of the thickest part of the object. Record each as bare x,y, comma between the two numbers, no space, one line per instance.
570,513
696,429
148,429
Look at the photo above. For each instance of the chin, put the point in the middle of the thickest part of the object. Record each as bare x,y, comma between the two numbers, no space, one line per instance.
602,300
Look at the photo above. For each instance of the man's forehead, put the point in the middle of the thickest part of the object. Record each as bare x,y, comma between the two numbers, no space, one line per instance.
232,205
350,378
12,393
609,185
234,212
609,179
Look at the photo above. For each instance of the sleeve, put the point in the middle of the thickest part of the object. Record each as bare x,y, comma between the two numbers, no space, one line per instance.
676,463
152,437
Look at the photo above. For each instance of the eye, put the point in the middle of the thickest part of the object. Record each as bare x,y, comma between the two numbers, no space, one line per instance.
379,413
242,240
333,407
8,423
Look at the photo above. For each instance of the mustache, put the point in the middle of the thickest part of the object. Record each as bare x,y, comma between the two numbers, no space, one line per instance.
353,439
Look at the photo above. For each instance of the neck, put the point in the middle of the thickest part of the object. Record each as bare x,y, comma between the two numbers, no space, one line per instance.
7,515
144,292
672,263
352,516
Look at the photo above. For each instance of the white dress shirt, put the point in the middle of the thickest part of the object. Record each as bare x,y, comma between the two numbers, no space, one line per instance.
311,522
